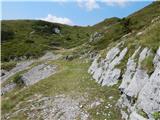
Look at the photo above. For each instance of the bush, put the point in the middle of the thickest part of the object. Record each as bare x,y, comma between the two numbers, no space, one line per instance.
156,115
17,80
6,33
29,41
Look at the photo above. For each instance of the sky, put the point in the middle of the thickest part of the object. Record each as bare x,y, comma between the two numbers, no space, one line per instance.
75,12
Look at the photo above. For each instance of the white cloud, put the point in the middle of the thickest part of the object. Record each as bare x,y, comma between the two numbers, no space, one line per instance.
88,4
120,3
55,19
94,4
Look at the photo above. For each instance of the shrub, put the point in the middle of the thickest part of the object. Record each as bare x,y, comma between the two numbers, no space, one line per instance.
6,33
156,115
29,41
17,80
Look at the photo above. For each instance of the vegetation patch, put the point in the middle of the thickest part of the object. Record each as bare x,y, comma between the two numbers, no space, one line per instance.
142,113
147,64
156,115
71,79
8,65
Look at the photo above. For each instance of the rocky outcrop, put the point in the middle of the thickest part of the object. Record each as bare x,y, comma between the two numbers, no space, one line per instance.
131,68
104,71
140,76
7,88
56,30
38,73
19,67
25,65
140,91
135,116
50,56
95,37
149,96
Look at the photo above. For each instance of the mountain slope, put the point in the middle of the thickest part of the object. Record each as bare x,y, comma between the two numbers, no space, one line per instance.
55,71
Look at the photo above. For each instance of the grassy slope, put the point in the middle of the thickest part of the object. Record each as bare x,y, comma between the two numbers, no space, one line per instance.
120,27
29,40
25,42
72,79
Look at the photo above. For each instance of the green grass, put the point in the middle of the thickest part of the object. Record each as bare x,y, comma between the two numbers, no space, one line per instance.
31,42
8,65
31,38
71,79
156,115
143,17
142,113
151,38
147,64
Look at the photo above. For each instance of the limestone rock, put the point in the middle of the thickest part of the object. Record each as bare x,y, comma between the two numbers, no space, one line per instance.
50,56
19,67
135,116
95,37
131,68
56,30
104,71
145,88
149,97
7,88
140,77
38,73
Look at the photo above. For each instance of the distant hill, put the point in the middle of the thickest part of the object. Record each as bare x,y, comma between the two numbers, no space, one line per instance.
31,38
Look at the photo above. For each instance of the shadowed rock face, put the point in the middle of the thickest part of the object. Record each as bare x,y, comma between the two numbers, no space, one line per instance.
140,91
38,73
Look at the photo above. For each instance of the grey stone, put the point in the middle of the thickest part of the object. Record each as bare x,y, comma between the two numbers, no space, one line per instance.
7,88
95,37
104,71
56,30
135,116
131,68
149,96
19,67
38,73
50,56
140,77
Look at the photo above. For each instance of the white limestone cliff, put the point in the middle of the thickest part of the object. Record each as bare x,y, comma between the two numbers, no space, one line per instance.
140,91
